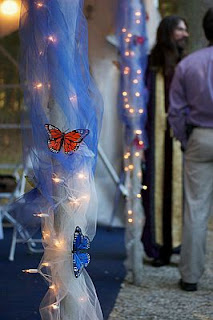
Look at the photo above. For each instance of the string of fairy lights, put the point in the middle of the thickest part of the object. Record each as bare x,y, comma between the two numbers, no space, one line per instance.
133,52
74,198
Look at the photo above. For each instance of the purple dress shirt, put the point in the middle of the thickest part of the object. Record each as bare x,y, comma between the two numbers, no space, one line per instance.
191,93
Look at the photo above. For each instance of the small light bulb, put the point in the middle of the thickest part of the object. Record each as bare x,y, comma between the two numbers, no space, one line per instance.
144,187
127,40
130,220
137,13
81,176
124,93
138,195
39,4
38,85
137,94
138,21
135,81
131,110
52,39
140,142
130,212
127,53
52,287
131,167
126,169
137,154
127,106
138,71
124,30
138,131
30,271
41,215
45,264
56,179
129,35
140,111
125,99
55,306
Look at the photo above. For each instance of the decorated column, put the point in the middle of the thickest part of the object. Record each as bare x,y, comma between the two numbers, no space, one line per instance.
61,122
131,32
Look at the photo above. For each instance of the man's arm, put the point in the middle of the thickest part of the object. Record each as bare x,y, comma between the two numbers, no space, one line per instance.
178,107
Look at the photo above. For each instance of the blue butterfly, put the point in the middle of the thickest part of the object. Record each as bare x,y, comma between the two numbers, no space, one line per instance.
81,258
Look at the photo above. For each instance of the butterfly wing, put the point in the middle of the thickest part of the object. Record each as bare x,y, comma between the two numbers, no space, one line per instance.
56,138
80,261
81,258
73,139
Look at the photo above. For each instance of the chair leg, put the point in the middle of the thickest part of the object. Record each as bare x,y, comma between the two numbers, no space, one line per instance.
13,245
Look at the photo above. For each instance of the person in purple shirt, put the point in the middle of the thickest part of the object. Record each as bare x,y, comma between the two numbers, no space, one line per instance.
191,118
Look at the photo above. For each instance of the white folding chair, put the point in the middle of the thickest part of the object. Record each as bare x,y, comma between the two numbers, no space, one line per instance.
8,196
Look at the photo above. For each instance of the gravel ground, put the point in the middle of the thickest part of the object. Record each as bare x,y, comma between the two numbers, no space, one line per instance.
159,297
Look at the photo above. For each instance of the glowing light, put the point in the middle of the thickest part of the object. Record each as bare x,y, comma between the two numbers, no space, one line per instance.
137,13
130,220
56,179
137,94
126,156
129,154
140,111
127,40
138,71
137,154
9,7
127,106
41,215
124,30
126,169
55,306
131,110
138,131
45,264
73,98
52,287
39,4
129,35
81,176
135,81
52,39
138,21
124,93
30,271
125,99
58,244
139,174
126,70
127,53
140,142
38,85
144,187
131,167
130,212
138,195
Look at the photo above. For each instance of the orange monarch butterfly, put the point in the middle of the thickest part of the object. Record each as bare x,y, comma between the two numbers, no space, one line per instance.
71,140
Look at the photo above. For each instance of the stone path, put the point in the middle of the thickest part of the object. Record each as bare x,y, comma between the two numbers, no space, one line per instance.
159,297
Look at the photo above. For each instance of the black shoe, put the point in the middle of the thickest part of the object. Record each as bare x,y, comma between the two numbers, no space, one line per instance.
187,286
160,262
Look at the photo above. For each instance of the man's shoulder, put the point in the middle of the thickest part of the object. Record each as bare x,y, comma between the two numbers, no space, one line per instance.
196,57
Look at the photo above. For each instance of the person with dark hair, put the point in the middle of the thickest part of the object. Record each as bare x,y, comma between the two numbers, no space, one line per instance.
163,162
191,118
